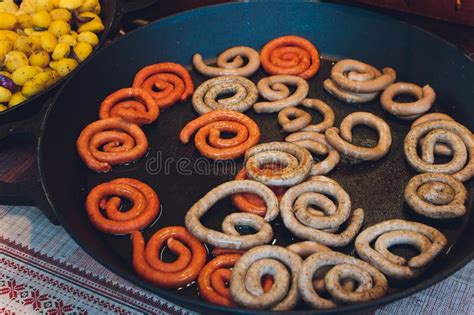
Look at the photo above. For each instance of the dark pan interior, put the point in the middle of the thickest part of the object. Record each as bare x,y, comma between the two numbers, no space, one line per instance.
375,186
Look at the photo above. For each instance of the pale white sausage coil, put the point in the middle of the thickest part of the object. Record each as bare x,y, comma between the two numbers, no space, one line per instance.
297,162
459,139
440,148
230,238
372,284
341,139
361,84
293,119
245,94
309,225
282,264
276,91
429,241
425,98
230,62
436,195
353,81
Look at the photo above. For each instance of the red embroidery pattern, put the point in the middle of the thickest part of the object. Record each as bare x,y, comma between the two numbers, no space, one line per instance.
35,299
59,308
28,295
156,304
12,289
4,311
54,306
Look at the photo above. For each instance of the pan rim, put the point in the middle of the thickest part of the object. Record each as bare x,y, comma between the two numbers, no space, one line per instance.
174,296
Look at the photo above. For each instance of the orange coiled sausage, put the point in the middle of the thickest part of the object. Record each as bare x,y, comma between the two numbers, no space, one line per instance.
215,276
247,202
111,141
172,81
210,125
292,55
134,105
184,270
106,196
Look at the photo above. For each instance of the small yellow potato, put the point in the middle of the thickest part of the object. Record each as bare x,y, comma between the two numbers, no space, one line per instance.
23,74
48,41
74,34
25,21
46,78
5,34
39,58
28,6
5,95
61,51
41,19
65,66
59,28
88,37
25,44
95,25
8,6
60,15
83,50
46,5
88,6
70,4
36,40
31,88
14,60
7,21
16,99
68,39
92,26
5,46
3,107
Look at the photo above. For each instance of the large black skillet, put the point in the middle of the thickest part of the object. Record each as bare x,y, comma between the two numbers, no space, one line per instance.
338,31
112,13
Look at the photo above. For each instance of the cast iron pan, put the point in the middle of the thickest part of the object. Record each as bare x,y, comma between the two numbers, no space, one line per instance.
112,14
338,32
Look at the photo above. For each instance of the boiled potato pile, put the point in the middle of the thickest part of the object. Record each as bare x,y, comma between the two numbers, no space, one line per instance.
42,41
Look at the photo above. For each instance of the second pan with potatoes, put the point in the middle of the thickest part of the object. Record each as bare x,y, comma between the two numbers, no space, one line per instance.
306,169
